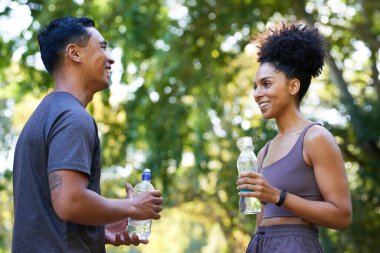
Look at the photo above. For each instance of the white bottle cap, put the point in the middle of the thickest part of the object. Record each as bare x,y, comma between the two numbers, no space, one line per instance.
245,141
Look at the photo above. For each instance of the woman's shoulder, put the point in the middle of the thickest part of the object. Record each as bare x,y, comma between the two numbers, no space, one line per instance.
318,136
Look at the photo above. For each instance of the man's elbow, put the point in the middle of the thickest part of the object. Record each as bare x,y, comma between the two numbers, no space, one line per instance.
65,210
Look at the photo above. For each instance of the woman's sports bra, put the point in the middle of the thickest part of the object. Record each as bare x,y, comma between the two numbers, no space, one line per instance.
292,174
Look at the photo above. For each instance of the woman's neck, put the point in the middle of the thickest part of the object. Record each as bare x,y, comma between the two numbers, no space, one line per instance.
291,122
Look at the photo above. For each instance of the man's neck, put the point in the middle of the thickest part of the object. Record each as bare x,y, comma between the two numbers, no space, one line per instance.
83,96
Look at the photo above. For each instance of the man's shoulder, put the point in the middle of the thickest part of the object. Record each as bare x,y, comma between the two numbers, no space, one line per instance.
59,103
60,110
63,100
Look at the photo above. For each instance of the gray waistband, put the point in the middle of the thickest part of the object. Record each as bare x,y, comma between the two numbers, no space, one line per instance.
289,229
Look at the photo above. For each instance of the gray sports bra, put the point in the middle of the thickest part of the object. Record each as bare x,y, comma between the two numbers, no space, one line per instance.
292,174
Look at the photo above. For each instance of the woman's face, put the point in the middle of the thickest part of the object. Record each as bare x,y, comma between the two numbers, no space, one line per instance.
272,91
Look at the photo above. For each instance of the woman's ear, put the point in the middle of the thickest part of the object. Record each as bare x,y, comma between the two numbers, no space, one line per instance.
294,86
72,52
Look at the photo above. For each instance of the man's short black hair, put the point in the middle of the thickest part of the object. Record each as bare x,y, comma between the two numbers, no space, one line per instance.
58,34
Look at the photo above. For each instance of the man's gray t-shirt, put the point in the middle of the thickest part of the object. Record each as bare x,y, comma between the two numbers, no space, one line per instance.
60,134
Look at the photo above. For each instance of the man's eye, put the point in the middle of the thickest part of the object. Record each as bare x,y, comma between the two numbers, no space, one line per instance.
266,84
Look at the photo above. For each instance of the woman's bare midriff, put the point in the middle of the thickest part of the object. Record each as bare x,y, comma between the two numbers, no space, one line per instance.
283,221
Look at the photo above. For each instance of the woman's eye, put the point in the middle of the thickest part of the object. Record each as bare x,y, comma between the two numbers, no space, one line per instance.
266,84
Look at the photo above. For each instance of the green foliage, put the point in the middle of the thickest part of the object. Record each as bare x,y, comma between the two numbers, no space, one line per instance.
6,214
190,99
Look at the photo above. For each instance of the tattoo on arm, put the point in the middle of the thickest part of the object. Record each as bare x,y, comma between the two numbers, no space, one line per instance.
55,183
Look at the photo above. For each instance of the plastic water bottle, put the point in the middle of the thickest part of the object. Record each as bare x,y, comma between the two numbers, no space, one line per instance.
248,162
141,227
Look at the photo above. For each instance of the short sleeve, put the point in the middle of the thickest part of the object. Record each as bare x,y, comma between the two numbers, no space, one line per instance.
71,142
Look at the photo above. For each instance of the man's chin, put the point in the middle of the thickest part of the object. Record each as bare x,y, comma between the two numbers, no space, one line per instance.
106,86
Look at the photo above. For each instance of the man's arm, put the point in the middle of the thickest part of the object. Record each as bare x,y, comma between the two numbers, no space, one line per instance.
73,202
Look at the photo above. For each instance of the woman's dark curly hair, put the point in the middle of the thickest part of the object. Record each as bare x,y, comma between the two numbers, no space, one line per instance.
296,50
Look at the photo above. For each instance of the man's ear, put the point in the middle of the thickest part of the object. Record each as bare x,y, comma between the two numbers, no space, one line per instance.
294,86
73,52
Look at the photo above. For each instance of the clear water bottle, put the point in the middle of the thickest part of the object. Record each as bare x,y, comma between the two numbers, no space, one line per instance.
141,227
248,162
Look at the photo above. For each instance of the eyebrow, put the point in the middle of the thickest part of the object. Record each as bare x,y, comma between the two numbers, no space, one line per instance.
264,78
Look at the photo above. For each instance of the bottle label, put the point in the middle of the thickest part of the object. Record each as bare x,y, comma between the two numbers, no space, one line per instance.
245,190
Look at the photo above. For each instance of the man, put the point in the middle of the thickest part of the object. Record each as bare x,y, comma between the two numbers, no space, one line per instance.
57,201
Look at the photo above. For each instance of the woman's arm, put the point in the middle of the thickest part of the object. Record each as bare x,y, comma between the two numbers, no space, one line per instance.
322,152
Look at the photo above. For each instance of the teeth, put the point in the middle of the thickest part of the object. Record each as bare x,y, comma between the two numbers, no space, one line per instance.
261,105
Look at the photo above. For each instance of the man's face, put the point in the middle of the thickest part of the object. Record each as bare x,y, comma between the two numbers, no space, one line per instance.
96,62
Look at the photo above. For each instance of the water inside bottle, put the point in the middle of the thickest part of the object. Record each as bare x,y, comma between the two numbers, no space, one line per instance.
249,205
247,161
139,227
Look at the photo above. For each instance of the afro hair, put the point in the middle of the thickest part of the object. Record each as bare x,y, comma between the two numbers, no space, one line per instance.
295,49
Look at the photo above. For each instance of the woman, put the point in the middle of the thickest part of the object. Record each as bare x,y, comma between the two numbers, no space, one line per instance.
302,181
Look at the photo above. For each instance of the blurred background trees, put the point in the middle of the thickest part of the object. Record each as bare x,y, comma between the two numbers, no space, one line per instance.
182,96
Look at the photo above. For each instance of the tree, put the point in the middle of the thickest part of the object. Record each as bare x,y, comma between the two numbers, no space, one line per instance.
189,96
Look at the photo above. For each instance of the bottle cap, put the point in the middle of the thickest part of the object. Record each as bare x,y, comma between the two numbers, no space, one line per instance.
246,142
146,176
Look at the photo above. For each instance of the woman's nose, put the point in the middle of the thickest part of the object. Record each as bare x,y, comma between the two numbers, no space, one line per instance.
258,92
